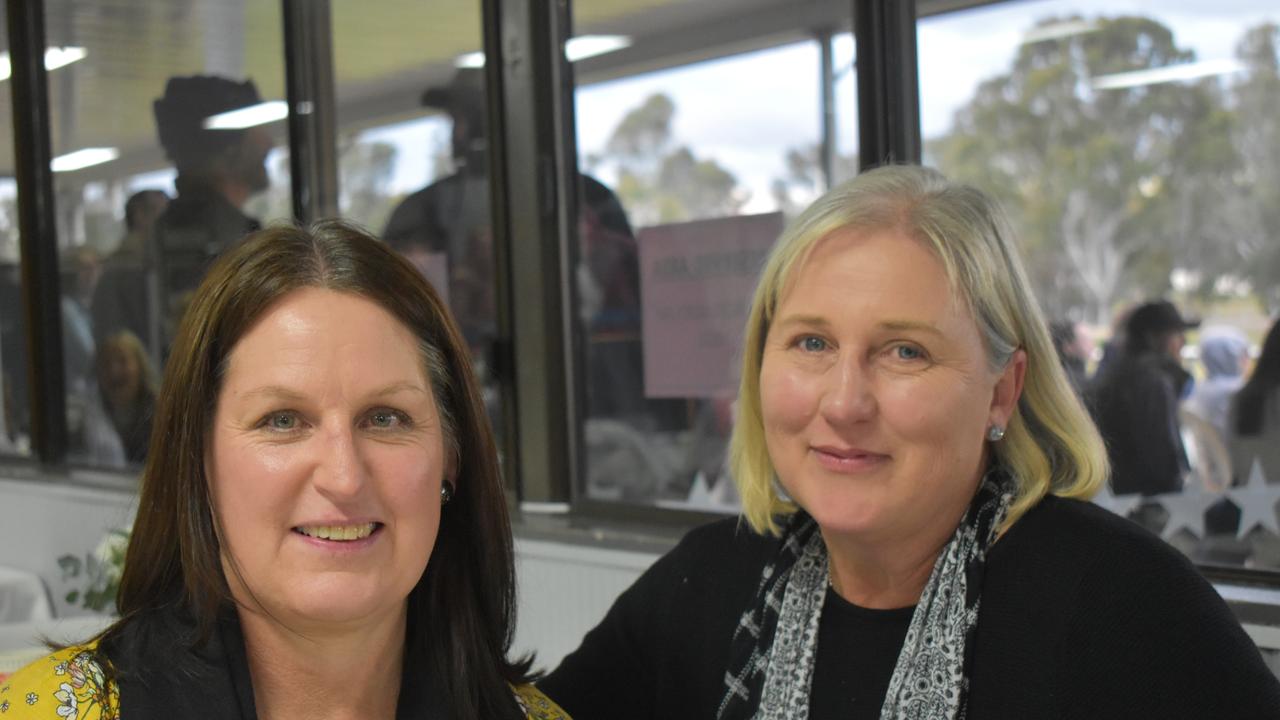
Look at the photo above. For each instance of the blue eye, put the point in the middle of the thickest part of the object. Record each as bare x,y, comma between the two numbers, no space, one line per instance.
281,421
908,352
812,343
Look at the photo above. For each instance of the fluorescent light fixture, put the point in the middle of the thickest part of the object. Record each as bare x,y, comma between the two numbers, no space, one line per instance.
1057,31
1168,73
244,117
469,60
578,48
83,158
581,48
54,58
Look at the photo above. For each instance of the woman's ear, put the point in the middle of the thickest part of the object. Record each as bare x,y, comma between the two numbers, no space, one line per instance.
1008,388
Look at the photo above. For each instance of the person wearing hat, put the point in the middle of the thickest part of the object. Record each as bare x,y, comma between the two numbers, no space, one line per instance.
218,171
1135,402
444,229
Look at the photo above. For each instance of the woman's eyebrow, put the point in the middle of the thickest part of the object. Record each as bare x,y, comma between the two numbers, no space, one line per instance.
910,325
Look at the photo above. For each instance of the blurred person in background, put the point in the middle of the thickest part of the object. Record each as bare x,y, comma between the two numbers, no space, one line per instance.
122,402
1135,401
1253,428
121,300
1224,353
218,171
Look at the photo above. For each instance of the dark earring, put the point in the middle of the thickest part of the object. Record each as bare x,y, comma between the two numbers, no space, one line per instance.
446,492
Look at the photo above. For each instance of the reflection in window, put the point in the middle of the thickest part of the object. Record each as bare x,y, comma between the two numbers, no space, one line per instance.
421,182
701,162
154,177
1129,145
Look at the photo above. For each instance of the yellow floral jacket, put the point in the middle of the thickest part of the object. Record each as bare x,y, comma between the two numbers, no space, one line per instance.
70,685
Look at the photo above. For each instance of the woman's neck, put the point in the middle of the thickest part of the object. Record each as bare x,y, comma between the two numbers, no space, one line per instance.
877,581
333,675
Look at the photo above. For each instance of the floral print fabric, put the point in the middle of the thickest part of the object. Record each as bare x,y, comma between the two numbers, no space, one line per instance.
70,685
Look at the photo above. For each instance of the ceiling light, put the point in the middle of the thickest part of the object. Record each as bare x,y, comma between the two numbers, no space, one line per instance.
54,58
259,114
83,158
578,48
1168,73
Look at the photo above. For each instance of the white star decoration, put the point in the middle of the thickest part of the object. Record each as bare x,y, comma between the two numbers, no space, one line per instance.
1119,504
1257,501
1186,509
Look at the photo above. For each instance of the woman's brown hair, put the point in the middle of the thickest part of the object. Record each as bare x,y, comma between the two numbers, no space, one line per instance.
462,611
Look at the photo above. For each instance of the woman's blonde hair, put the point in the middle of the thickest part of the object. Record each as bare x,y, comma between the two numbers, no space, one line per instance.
1050,445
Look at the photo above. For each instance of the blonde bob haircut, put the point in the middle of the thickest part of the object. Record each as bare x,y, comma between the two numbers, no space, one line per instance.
1050,445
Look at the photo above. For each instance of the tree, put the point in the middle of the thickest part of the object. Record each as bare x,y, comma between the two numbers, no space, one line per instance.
659,181
1106,185
803,181
1255,212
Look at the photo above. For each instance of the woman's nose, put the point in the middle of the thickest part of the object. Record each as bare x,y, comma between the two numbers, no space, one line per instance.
847,396
340,469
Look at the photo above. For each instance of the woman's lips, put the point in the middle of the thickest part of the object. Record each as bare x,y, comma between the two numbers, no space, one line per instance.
848,460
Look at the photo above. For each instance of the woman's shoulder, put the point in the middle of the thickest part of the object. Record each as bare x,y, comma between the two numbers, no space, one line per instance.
1063,545
69,683
537,706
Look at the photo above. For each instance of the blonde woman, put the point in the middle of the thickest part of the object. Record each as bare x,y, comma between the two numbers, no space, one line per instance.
914,542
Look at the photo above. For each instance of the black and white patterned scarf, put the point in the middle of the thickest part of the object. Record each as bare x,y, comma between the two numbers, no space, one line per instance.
774,646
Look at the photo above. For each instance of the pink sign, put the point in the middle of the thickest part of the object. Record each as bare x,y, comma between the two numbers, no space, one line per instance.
696,281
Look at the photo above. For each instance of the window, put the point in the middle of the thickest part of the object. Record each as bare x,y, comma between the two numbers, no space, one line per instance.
412,155
153,177
689,174
1129,144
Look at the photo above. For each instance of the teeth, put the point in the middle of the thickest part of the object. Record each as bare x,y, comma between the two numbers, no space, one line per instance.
338,532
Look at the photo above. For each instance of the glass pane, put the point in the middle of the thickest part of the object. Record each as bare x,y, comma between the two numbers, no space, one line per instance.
153,180
1130,144
413,160
15,408
688,173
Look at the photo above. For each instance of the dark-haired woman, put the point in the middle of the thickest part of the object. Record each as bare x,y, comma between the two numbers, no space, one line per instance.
1253,425
321,532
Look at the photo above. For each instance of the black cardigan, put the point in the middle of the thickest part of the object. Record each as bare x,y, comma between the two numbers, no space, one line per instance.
1084,615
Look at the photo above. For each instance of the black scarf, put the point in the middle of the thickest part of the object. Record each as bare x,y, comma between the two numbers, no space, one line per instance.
161,677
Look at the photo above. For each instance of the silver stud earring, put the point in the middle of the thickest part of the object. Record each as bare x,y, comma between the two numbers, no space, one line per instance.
446,492
995,433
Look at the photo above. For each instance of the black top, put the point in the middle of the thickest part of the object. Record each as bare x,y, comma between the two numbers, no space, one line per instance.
162,672
1084,615
857,651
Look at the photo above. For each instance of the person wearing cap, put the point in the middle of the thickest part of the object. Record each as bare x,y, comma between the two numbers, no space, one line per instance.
218,171
1135,402
445,230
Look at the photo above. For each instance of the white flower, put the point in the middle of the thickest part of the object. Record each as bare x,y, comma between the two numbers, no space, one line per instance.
66,698
32,698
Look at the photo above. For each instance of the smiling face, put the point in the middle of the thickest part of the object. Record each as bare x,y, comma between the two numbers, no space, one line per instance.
876,391
326,460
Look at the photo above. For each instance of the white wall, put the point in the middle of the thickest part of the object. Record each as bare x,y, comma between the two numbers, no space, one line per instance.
564,590
41,521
